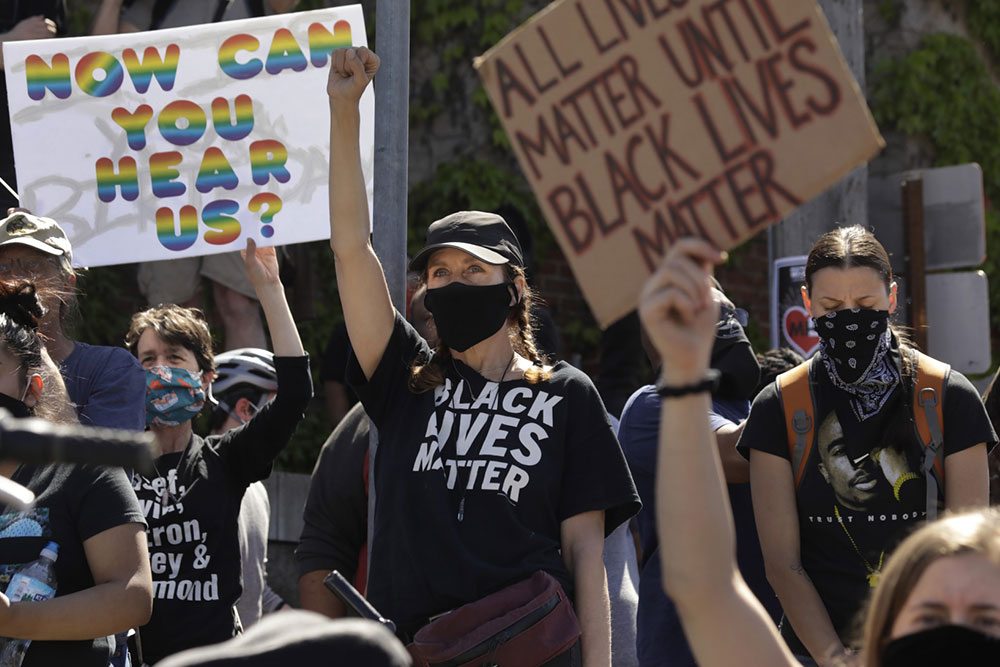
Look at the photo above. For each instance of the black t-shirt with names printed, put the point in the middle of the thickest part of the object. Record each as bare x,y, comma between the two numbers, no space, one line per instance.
513,459
850,514
191,503
73,503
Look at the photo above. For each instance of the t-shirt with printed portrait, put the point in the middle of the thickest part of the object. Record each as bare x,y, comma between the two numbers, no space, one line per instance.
474,478
850,514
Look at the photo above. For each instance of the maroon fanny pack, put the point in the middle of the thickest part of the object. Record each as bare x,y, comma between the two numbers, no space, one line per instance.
524,625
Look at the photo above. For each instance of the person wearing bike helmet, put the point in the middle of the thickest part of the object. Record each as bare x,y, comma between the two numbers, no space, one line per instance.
245,381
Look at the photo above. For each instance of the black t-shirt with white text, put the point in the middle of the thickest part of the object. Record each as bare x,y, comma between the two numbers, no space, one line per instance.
850,517
192,502
73,503
474,478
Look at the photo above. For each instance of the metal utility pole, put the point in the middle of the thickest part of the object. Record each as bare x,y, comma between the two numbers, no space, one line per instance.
845,202
392,116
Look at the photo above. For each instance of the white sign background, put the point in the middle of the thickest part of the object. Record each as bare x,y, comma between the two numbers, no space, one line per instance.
58,142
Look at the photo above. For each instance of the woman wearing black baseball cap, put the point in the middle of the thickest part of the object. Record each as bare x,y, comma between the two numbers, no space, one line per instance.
491,465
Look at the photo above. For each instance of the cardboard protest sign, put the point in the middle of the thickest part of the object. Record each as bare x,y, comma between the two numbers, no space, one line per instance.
640,121
182,142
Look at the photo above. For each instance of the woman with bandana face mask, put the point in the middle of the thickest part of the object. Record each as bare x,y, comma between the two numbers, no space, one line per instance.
198,483
102,572
938,600
492,464
825,539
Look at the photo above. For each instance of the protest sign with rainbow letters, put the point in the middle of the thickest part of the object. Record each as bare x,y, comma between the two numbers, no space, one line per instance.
640,121
182,142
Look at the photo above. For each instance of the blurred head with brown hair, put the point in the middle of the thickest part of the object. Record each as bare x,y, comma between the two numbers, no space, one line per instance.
946,574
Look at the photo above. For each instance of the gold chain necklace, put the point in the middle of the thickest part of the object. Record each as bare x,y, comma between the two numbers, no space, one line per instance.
873,572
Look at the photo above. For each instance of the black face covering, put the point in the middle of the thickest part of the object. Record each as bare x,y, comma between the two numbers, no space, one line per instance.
945,645
468,314
854,341
14,406
735,360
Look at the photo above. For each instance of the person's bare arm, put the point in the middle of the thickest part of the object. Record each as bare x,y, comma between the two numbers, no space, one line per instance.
262,270
368,311
966,479
582,540
107,18
314,596
773,491
693,516
33,27
735,468
121,598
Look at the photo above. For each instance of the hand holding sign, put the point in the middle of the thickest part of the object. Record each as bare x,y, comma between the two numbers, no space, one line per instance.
33,27
351,70
262,265
186,141
678,312
638,124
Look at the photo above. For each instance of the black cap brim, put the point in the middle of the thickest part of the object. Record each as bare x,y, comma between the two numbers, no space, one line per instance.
419,263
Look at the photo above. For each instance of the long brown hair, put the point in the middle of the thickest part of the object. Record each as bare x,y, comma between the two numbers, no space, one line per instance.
426,374
969,533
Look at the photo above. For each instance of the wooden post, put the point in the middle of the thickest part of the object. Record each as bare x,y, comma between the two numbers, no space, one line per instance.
913,235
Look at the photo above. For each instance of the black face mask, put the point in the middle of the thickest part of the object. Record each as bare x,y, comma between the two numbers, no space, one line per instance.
945,645
468,314
854,340
14,406
735,360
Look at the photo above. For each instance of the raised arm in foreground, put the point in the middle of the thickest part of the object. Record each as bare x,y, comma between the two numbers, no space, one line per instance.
364,296
693,515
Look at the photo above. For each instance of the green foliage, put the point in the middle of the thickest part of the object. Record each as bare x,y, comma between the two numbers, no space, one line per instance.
78,20
983,19
890,11
582,337
472,184
475,25
459,30
108,297
943,92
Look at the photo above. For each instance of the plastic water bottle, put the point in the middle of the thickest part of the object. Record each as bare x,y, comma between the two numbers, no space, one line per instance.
35,581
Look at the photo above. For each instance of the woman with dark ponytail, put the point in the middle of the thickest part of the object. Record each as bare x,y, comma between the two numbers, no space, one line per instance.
831,508
492,465
103,582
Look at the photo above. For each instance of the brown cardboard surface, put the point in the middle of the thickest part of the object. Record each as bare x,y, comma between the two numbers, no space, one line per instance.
640,121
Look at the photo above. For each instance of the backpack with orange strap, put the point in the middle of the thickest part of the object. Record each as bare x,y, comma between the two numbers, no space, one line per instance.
798,401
